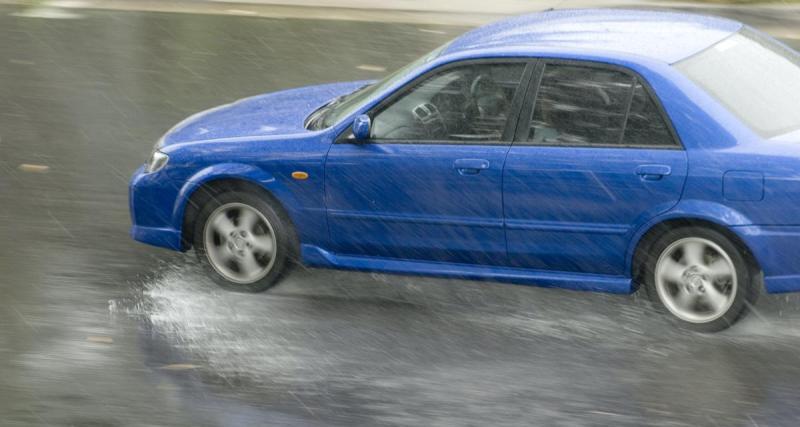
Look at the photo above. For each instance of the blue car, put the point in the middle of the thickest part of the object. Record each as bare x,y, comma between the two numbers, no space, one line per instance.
602,150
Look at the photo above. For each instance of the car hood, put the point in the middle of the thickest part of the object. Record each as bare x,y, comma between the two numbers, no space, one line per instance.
271,114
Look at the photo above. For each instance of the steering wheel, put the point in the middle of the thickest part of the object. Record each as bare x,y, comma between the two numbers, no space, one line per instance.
476,82
604,95
484,91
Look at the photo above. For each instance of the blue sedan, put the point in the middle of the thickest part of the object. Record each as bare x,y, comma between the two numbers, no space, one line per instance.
598,150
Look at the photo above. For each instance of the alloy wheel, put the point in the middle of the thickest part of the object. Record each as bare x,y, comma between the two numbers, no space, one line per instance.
696,280
240,243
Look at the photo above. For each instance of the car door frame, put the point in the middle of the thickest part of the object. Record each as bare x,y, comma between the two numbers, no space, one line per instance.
505,141
521,132
517,104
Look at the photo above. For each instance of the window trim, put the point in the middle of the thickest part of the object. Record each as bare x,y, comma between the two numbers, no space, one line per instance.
506,139
531,96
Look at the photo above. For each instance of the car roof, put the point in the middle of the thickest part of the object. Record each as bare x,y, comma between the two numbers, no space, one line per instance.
663,36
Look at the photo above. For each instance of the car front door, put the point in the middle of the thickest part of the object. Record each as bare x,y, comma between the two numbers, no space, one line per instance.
593,155
427,185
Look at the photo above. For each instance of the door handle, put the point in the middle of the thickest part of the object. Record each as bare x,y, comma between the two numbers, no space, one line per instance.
653,172
470,166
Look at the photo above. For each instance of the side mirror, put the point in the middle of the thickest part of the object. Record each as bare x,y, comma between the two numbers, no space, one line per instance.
361,127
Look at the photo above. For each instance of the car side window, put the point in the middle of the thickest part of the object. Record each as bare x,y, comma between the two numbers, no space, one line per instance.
463,103
646,125
581,105
578,105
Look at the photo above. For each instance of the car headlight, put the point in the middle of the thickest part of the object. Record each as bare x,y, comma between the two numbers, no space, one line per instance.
156,162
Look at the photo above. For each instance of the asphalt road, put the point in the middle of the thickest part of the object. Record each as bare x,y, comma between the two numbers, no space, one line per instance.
97,330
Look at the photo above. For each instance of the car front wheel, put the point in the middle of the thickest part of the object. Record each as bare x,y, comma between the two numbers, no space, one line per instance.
242,241
701,277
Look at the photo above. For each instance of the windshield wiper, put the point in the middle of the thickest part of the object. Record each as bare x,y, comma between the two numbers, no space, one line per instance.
318,116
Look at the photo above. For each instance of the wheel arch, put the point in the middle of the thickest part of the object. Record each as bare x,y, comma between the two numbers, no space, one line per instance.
646,237
208,183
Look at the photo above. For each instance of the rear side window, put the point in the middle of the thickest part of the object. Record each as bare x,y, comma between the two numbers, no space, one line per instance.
645,125
582,105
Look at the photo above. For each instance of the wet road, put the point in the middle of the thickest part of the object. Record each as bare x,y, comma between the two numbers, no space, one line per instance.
97,330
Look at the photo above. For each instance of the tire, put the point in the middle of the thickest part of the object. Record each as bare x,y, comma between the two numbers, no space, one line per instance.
700,277
243,241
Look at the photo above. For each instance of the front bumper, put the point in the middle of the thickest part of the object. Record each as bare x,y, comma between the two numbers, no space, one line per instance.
775,248
152,201
163,237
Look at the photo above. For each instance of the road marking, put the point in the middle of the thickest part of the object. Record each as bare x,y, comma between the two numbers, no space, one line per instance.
179,367
21,62
47,13
100,340
425,30
241,12
27,167
67,3
367,67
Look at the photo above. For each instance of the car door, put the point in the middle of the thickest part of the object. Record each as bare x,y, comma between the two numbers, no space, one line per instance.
593,156
426,185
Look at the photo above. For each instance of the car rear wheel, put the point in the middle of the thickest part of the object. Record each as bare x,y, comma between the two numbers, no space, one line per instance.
701,278
242,241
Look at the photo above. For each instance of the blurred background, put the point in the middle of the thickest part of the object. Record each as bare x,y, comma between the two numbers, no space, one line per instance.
97,330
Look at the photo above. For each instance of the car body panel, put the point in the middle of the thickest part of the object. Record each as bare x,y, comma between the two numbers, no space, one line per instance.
318,257
244,160
665,36
574,209
263,140
395,201
279,113
776,249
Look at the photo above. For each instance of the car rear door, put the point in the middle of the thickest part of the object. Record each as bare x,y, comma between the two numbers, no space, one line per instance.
593,156
427,184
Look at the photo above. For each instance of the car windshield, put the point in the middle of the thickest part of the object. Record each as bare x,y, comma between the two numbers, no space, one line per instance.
755,77
343,106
